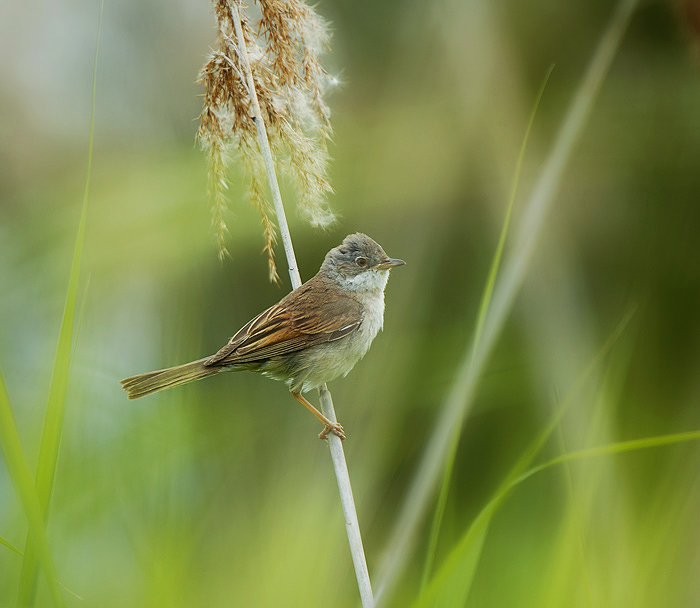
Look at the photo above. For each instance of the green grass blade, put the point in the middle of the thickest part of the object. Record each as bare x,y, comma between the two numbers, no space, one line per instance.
56,406
498,255
24,484
458,570
611,449
483,309
431,467
464,559
10,546
55,413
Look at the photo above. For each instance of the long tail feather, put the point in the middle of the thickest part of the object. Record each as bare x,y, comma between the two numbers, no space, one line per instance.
145,384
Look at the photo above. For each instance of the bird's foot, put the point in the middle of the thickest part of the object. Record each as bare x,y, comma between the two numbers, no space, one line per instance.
332,427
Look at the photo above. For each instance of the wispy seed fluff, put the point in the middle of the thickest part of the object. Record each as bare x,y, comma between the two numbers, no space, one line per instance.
283,53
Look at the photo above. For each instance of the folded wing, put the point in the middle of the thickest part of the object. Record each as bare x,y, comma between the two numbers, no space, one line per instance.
307,316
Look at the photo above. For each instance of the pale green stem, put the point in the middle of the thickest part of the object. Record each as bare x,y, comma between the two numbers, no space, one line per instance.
334,442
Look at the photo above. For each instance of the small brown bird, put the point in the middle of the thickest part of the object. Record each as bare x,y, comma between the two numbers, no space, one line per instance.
313,335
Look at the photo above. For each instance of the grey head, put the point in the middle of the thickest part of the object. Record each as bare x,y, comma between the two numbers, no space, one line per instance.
359,263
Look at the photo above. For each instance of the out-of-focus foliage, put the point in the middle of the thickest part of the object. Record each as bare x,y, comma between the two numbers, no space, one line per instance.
219,493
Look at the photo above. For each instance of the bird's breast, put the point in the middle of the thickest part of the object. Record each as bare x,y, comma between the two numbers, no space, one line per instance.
373,318
331,360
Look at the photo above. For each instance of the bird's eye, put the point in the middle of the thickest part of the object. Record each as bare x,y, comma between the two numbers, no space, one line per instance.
361,262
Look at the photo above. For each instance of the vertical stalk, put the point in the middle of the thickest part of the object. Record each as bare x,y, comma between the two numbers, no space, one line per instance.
352,525
515,266
334,442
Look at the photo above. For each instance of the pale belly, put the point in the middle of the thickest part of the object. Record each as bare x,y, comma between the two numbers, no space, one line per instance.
311,368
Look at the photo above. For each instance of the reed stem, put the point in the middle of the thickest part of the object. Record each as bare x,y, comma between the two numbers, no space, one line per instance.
334,442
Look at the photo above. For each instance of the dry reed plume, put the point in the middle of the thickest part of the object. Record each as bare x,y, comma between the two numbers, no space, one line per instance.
283,47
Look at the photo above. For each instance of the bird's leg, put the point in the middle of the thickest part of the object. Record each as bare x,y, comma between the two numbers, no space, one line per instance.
330,427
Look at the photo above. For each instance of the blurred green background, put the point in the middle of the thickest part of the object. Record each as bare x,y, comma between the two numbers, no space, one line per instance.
219,493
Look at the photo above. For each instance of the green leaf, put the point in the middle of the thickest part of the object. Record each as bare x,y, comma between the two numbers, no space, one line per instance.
56,406
10,546
481,318
464,559
22,480
450,586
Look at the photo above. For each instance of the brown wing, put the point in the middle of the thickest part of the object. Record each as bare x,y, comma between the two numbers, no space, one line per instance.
313,314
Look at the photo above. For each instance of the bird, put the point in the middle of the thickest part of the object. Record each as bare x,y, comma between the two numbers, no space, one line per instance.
313,335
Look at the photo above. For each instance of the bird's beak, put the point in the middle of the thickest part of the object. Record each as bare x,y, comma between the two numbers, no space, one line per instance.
389,263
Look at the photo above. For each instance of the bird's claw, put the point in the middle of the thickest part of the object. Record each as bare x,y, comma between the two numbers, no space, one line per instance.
334,428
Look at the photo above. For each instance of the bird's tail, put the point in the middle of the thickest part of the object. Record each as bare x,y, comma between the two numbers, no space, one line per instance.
145,384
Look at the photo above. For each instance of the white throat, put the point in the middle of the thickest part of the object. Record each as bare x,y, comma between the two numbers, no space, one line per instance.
368,288
370,281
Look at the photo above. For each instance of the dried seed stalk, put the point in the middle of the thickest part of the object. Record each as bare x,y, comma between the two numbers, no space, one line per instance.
284,50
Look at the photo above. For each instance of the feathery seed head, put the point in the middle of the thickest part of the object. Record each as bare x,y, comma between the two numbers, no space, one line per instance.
283,54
